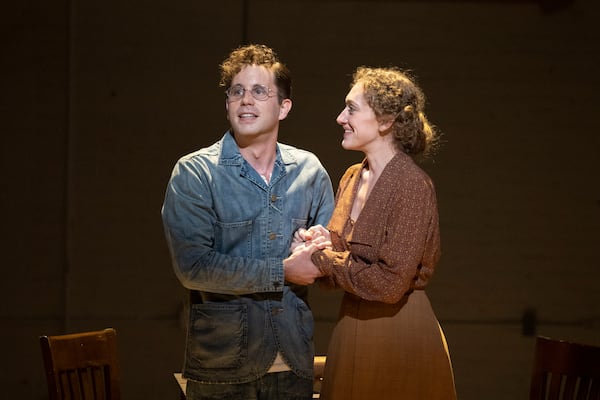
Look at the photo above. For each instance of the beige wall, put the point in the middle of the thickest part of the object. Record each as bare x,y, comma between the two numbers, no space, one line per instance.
99,99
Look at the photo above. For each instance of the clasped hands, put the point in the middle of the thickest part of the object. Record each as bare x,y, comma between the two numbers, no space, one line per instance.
298,267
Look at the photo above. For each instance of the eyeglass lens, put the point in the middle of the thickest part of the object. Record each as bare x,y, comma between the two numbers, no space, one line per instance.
259,92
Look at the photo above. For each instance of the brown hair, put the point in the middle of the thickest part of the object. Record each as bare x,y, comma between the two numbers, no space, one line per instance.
392,93
260,55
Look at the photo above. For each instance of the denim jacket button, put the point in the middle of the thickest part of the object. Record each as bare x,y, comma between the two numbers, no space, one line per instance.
272,236
276,310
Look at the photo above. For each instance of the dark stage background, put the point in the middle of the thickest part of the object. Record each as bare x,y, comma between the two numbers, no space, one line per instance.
99,99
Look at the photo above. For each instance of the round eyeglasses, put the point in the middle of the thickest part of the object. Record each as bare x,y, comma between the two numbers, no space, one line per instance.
259,92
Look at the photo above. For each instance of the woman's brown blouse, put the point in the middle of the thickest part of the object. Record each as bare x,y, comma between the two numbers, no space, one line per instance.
394,245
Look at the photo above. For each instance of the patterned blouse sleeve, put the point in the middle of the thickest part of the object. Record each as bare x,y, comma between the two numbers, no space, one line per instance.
404,253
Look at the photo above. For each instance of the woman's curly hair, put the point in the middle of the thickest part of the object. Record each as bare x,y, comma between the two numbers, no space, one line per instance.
392,93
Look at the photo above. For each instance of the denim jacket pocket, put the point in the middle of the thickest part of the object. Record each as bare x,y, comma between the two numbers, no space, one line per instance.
218,335
298,223
234,238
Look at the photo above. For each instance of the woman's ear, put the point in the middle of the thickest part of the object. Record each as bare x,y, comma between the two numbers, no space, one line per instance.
385,123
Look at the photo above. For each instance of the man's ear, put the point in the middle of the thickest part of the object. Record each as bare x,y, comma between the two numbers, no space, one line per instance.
284,108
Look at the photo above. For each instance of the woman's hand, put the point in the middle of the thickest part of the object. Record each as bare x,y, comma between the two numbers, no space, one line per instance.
315,234
298,268
298,239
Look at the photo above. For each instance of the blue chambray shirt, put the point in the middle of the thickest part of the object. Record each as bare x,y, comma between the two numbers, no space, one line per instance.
228,233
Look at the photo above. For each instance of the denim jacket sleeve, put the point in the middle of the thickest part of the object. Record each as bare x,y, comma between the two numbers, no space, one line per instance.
323,203
189,220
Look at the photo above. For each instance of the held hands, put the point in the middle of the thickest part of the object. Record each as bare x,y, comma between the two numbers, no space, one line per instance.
298,267
315,234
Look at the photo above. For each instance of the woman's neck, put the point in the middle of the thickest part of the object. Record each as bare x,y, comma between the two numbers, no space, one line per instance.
377,161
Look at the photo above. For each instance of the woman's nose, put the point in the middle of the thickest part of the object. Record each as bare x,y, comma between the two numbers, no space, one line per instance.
341,118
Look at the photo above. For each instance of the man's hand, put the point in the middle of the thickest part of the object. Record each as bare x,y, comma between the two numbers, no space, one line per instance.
298,268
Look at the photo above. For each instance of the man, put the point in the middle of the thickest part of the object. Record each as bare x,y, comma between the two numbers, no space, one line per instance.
229,214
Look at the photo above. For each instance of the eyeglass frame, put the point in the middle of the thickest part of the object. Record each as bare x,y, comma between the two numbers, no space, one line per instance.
267,90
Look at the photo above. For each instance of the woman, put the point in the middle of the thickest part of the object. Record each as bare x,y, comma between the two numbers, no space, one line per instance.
385,244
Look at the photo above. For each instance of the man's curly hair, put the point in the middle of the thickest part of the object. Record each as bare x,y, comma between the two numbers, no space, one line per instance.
260,55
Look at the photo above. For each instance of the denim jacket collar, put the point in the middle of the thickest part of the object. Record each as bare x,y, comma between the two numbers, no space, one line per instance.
230,153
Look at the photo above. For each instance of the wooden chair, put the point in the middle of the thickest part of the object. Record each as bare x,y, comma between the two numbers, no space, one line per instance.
82,366
564,370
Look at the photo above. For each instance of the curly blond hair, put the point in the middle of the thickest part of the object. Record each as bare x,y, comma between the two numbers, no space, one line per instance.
393,93
260,55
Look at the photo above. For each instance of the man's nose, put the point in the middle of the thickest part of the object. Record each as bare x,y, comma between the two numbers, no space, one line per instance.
247,97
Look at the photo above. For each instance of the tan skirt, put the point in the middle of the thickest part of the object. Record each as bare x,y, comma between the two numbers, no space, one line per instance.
388,351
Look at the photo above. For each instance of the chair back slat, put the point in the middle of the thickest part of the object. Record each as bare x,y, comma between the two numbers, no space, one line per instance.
554,387
82,366
565,370
85,383
571,384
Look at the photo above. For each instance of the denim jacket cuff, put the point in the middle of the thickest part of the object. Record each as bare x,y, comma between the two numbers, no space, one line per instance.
277,278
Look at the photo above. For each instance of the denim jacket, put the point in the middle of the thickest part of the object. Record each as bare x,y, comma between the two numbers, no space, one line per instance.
228,232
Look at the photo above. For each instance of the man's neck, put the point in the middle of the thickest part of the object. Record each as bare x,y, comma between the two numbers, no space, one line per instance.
260,155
